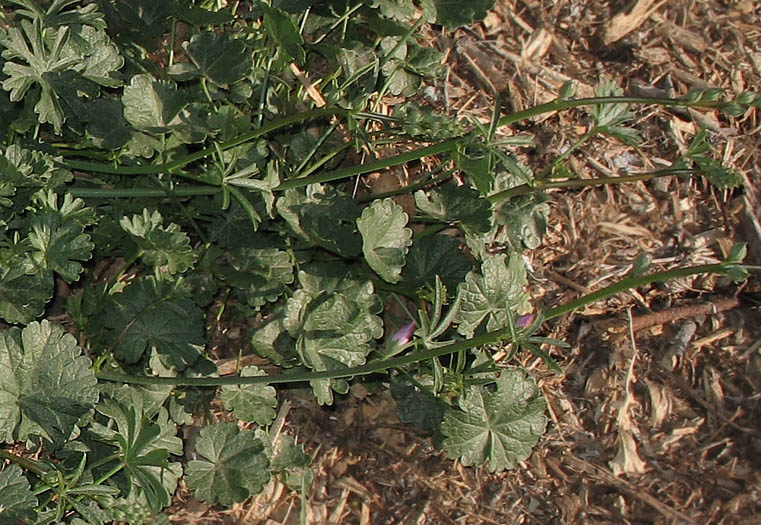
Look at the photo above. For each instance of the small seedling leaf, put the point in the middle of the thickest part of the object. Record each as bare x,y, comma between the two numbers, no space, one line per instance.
254,403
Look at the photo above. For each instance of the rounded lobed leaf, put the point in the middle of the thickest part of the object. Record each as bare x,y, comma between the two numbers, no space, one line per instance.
385,239
233,465
255,403
46,384
499,428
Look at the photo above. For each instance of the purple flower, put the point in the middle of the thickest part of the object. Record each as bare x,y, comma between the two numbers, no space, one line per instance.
404,334
524,321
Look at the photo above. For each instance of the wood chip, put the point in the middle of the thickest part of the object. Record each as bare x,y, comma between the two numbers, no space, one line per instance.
315,95
627,20
537,45
684,37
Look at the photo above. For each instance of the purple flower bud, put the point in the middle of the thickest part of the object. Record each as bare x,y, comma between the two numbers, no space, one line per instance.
404,334
524,321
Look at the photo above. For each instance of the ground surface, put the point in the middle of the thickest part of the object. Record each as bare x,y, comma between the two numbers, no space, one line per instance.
649,424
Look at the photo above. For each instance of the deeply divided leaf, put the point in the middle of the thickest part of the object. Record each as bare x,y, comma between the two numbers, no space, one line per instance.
144,445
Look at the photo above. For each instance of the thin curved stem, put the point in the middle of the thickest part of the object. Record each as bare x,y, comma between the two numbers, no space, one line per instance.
540,185
382,365
140,193
434,149
154,169
376,165
560,104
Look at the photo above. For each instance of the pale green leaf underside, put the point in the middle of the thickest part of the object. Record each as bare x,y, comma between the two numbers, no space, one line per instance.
254,403
462,204
489,297
334,320
151,104
385,239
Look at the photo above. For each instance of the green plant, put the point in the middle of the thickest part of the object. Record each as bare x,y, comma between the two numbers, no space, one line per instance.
195,171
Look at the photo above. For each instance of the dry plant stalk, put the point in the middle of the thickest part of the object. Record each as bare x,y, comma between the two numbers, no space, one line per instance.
627,460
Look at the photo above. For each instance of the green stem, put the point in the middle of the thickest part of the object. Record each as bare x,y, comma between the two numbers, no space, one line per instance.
634,282
377,165
154,169
337,23
408,189
540,185
561,104
317,145
103,461
139,193
567,153
380,366
321,162
39,468
109,474
434,149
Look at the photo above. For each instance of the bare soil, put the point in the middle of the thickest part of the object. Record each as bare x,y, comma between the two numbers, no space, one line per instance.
654,419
